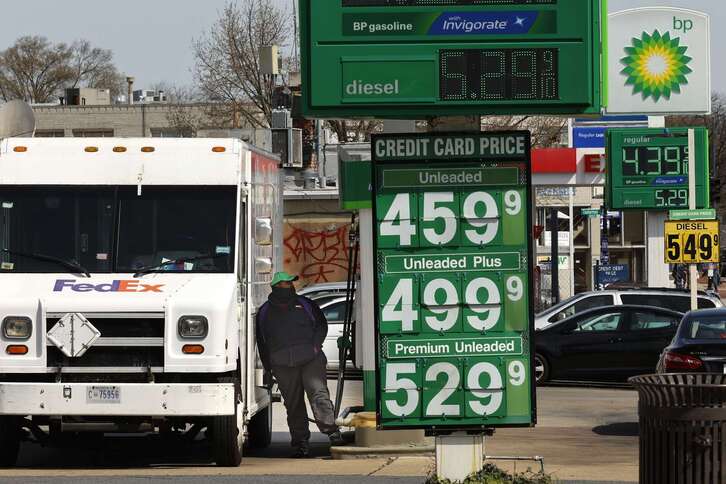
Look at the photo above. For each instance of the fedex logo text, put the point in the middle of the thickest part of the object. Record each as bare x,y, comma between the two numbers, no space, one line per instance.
115,286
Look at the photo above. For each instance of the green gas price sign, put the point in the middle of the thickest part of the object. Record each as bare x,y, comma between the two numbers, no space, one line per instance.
453,295
408,58
648,169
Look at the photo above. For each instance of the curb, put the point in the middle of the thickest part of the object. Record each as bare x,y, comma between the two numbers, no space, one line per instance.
343,453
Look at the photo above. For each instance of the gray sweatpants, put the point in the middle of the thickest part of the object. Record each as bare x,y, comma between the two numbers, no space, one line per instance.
294,383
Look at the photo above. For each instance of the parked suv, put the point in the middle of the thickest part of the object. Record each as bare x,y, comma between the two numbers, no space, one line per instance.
673,299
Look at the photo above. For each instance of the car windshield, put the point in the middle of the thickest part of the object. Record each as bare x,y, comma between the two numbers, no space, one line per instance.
559,305
710,327
113,229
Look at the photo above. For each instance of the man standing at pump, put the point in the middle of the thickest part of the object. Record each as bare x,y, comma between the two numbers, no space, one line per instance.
291,330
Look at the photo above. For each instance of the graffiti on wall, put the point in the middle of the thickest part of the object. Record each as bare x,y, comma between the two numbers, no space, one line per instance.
317,250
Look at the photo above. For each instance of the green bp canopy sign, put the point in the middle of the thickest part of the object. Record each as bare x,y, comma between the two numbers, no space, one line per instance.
659,61
453,293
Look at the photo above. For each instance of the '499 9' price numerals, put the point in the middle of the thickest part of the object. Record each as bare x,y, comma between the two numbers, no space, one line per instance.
476,305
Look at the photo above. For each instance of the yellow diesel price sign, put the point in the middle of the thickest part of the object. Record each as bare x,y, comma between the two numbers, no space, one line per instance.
691,242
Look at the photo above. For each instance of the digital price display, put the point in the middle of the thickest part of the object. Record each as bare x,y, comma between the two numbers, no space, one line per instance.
499,74
453,294
648,169
428,3
414,58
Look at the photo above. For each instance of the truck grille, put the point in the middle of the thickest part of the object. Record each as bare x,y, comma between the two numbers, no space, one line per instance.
129,343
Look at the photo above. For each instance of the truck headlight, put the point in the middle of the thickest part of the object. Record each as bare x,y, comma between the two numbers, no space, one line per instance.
17,327
195,327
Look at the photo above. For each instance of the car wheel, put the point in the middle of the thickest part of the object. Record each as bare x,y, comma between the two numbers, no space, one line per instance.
541,369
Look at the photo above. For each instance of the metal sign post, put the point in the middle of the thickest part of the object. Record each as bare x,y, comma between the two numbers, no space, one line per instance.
693,280
453,296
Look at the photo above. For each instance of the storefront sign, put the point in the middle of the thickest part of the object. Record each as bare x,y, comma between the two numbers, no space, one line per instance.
453,293
593,137
613,274
595,163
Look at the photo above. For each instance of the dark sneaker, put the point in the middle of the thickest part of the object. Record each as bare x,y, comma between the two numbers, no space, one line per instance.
336,439
301,452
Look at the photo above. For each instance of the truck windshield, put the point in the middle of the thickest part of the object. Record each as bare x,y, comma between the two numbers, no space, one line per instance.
69,224
112,229
166,224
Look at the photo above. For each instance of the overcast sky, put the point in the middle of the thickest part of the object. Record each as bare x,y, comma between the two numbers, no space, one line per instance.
151,39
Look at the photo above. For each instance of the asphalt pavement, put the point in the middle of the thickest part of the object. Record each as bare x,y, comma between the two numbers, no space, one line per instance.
213,479
584,435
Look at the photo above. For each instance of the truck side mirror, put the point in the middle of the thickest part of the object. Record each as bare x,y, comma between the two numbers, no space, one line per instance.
263,265
263,231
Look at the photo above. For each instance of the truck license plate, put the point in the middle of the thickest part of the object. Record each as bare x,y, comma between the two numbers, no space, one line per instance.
103,394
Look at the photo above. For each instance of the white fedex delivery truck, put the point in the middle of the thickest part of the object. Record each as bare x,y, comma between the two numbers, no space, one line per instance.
130,274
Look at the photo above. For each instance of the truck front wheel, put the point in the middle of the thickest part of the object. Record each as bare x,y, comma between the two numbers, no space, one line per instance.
228,438
10,434
260,428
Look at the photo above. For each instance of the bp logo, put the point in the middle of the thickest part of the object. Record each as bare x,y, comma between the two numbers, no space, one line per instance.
656,65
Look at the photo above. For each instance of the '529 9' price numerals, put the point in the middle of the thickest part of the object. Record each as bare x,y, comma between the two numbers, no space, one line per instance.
438,390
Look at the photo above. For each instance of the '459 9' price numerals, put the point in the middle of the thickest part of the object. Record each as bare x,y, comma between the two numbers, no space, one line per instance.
439,215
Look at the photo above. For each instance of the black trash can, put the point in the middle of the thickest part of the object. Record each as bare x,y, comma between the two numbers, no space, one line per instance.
682,428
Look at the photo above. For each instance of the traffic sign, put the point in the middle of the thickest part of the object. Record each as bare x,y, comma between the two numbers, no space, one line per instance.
591,212
648,169
703,214
413,58
453,294
692,242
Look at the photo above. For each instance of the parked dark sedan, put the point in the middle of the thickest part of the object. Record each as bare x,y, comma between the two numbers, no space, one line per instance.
604,344
699,344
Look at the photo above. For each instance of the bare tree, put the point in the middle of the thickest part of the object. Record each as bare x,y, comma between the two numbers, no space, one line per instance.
94,67
352,131
716,124
36,70
547,131
227,66
185,114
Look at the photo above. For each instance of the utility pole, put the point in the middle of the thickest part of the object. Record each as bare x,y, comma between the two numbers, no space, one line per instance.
555,255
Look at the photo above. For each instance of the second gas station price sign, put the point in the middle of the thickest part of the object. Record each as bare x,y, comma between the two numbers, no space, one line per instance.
415,58
648,168
454,318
